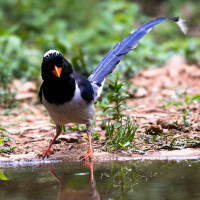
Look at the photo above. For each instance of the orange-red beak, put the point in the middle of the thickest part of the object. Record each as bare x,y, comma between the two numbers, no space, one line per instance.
57,71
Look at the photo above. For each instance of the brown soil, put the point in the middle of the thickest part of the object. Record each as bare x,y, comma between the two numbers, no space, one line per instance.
165,132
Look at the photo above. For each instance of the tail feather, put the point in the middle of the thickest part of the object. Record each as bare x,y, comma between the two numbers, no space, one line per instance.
113,57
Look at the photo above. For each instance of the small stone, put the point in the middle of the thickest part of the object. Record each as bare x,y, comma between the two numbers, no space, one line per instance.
154,130
80,141
167,125
197,129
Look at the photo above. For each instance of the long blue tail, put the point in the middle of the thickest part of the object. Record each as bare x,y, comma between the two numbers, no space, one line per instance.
113,57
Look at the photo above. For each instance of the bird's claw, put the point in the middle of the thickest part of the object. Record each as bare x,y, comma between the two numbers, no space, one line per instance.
46,153
88,155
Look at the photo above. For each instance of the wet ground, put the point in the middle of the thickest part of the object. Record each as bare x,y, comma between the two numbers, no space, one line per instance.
157,180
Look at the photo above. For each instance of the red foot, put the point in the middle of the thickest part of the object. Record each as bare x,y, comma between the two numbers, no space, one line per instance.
46,153
89,155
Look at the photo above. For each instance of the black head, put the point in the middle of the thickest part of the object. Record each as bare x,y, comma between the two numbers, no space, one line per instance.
55,66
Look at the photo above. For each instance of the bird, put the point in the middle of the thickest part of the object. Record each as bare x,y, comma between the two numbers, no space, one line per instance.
69,97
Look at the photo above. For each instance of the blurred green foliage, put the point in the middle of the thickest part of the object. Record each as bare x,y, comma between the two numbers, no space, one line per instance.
84,31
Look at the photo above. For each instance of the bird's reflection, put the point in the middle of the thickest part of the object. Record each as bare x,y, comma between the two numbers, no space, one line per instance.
69,194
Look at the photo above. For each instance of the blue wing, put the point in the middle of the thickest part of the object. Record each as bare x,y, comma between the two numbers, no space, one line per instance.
113,57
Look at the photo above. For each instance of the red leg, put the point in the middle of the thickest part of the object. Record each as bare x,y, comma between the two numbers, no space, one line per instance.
48,151
89,153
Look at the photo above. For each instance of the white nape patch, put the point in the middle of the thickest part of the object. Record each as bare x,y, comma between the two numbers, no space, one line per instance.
51,51
181,24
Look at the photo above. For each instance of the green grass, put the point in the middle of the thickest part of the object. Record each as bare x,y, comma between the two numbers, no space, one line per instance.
3,139
120,134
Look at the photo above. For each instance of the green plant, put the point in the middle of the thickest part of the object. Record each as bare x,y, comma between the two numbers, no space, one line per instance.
182,100
2,176
116,98
7,150
4,138
191,99
76,127
120,132
95,135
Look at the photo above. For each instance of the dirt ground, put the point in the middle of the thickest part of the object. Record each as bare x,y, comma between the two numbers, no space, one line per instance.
167,116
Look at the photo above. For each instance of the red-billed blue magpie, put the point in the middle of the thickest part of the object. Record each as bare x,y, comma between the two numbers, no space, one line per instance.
69,97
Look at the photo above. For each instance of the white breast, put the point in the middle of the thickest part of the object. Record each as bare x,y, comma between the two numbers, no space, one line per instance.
75,111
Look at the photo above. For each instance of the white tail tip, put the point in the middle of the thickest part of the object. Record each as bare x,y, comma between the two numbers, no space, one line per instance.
181,24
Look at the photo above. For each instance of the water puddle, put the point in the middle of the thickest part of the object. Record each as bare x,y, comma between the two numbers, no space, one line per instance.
155,180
